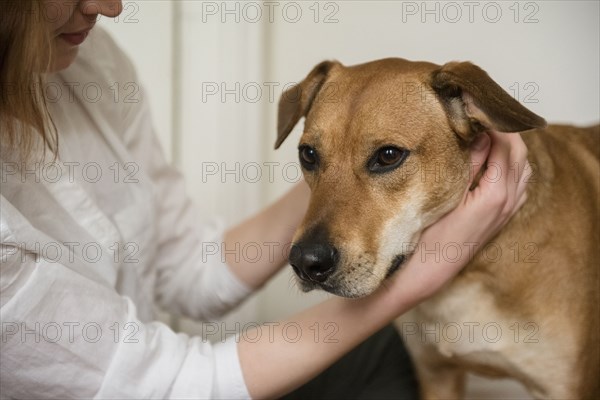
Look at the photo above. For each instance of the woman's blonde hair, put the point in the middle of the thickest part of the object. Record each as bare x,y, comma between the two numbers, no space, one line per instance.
25,55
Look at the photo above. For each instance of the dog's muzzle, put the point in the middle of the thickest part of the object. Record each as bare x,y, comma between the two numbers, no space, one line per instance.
313,262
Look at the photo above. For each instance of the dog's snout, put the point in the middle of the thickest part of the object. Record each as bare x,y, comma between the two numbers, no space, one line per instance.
313,261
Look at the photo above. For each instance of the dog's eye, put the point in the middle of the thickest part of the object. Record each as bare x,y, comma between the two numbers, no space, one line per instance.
308,157
386,159
389,156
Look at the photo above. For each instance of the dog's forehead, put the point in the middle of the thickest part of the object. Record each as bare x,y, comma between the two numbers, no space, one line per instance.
387,100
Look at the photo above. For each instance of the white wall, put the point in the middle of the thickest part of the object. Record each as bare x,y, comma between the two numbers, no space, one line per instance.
549,50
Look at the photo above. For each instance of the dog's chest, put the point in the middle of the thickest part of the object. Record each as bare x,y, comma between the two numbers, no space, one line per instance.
464,323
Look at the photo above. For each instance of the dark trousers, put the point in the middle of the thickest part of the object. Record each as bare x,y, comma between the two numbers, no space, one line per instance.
379,368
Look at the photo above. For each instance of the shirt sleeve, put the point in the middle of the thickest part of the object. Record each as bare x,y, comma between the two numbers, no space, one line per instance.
192,276
68,336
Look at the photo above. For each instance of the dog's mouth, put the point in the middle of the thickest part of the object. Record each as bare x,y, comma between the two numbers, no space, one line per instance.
338,287
395,265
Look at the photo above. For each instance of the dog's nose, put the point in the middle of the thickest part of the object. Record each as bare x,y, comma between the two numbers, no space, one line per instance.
313,261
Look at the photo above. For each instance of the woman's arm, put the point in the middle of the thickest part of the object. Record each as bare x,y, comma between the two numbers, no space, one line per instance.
271,230
274,364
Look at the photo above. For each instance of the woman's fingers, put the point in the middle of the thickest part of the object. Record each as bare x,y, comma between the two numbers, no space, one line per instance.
493,184
522,186
480,150
516,173
502,183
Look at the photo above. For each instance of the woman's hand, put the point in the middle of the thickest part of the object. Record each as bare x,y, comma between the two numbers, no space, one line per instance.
480,215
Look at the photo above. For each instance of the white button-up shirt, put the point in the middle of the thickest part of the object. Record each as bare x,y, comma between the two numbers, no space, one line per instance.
92,240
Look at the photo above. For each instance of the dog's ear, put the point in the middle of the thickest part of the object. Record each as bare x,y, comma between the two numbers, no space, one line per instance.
475,103
297,100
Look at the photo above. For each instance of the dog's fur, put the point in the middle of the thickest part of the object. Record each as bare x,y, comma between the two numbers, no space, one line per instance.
526,306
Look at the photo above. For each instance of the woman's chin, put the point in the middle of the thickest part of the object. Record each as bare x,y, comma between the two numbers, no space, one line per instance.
63,57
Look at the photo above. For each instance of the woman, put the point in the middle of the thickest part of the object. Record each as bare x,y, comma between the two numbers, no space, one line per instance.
96,229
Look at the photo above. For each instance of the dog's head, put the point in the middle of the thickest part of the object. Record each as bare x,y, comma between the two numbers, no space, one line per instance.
385,151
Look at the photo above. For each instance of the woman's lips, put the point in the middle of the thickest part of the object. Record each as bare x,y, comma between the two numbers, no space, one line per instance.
75,38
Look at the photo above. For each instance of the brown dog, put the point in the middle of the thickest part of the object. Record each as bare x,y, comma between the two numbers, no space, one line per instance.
385,151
